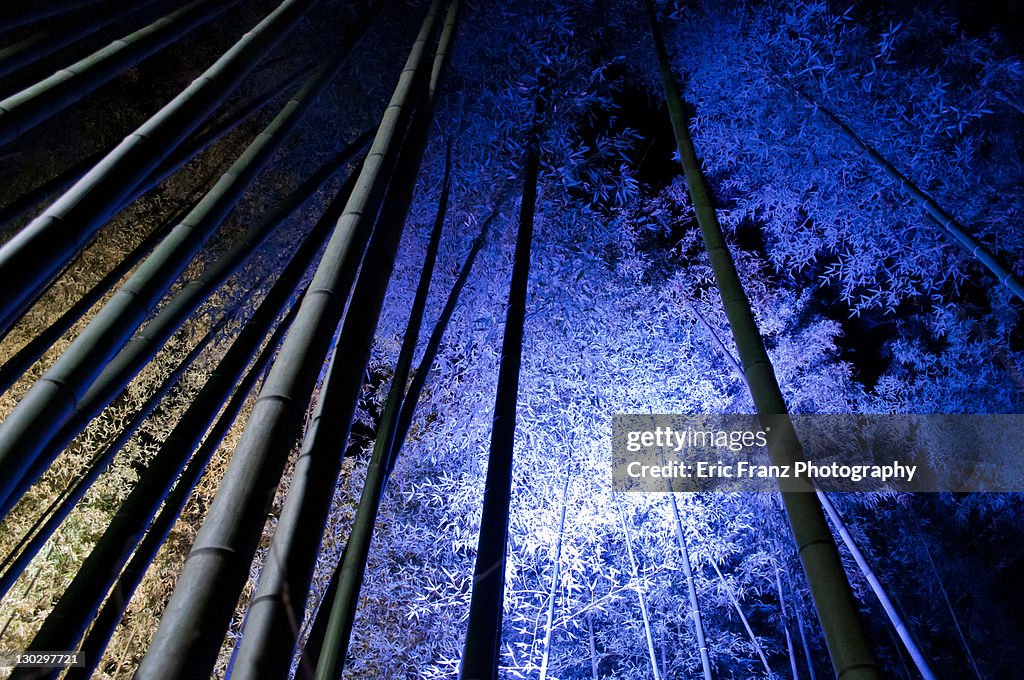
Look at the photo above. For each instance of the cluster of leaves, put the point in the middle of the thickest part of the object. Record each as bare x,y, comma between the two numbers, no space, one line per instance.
915,87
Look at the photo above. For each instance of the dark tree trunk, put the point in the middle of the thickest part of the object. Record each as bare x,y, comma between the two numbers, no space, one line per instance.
483,640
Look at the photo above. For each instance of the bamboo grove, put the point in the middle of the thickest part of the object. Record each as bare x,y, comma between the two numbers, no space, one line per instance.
315,315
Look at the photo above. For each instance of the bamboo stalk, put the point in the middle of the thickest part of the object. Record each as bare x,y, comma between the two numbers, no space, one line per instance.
29,261
555,576
123,367
808,657
70,393
181,155
106,621
349,571
691,590
481,653
891,608
208,587
51,519
331,661
735,602
419,380
851,653
635,574
27,356
68,620
785,626
45,42
22,111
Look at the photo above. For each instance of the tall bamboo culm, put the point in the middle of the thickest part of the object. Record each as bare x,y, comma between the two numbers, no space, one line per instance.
14,367
106,621
314,642
331,661
44,42
284,583
71,392
31,199
849,649
482,649
68,620
691,589
62,505
189,636
419,380
30,260
24,110
891,609
145,345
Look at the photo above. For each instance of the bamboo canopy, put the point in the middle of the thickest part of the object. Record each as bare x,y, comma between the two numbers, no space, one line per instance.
938,215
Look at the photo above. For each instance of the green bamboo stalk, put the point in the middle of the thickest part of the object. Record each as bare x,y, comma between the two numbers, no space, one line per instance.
735,602
174,162
106,621
851,653
187,641
270,307
29,261
635,575
419,380
28,355
45,42
936,213
350,569
14,367
481,652
145,344
22,111
48,522
69,618
70,393
314,643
